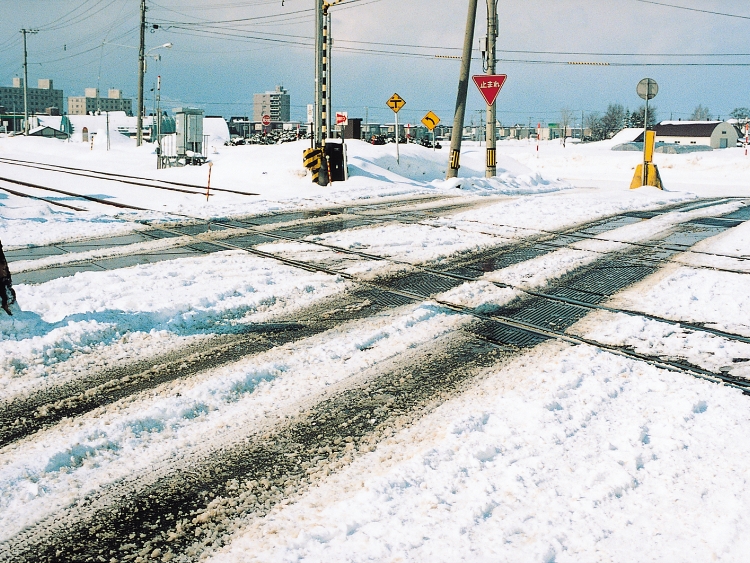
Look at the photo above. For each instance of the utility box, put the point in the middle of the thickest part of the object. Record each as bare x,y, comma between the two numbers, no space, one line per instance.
189,129
335,151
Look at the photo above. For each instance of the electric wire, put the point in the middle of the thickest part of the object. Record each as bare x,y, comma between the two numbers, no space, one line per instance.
694,9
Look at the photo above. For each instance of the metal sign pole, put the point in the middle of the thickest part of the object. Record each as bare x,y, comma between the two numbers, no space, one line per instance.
398,161
645,129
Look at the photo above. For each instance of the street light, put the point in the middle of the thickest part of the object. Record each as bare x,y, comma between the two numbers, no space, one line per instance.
141,72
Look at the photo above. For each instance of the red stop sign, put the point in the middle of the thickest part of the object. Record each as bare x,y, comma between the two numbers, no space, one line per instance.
266,120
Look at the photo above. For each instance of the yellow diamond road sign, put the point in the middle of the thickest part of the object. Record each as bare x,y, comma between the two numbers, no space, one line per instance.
395,102
430,120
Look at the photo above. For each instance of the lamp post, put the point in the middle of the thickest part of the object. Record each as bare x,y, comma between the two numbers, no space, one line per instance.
141,72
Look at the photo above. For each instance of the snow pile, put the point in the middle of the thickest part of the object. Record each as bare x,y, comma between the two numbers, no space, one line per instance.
421,164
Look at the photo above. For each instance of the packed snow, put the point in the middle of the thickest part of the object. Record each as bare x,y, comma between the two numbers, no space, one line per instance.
562,453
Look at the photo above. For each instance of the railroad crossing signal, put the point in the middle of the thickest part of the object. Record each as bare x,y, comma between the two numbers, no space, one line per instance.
430,120
395,102
489,85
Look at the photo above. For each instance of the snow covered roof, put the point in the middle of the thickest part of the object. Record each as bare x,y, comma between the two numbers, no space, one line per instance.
47,131
627,135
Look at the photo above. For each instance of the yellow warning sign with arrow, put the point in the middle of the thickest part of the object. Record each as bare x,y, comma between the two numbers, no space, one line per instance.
395,102
430,120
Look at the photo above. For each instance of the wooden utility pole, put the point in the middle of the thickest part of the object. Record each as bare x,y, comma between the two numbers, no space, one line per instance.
463,88
318,123
141,72
26,82
491,135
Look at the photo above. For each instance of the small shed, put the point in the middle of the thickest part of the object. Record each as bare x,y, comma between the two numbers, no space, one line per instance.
47,131
715,134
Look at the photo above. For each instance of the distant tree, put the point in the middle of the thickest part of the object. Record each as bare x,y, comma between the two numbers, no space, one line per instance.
613,120
740,114
701,114
636,118
566,116
594,124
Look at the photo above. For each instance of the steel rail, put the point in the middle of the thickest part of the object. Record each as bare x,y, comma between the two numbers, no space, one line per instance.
122,178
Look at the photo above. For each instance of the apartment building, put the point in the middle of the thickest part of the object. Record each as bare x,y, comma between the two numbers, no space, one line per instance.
40,99
276,104
91,102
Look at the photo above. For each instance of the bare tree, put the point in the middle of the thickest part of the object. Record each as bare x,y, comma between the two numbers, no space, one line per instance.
595,125
613,120
740,114
701,114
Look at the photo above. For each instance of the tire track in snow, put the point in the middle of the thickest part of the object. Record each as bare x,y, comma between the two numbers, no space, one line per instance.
181,508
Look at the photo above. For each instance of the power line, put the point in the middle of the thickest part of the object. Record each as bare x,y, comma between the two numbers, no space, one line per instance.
694,9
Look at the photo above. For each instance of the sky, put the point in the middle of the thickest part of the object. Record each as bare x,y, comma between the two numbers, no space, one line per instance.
693,49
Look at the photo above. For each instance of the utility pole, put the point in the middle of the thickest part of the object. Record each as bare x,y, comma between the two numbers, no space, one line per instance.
141,72
463,87
329,107
491,135
26,82
318,125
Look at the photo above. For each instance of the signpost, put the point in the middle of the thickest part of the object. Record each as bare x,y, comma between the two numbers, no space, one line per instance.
647,90
396,102
430,121
266,120
647,174
489,86
342,118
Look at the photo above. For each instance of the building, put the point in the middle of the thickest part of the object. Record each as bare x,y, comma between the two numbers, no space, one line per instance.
276,104
47,131
715,134
41,100
91,102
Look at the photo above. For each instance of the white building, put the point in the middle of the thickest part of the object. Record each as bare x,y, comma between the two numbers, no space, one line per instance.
715,134
275,104
91,102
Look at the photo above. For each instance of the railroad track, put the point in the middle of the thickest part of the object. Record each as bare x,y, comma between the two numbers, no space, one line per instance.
182,506
114,177
545,314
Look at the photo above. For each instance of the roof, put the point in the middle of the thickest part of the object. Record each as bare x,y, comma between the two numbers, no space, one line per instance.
47,131
686,128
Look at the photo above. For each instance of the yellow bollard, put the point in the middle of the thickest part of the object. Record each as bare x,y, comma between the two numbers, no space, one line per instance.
647,174
312,159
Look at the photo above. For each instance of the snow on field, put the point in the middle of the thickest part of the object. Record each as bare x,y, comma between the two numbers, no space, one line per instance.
565,454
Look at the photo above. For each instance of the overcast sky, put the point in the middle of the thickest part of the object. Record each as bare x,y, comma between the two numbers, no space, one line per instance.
82,43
